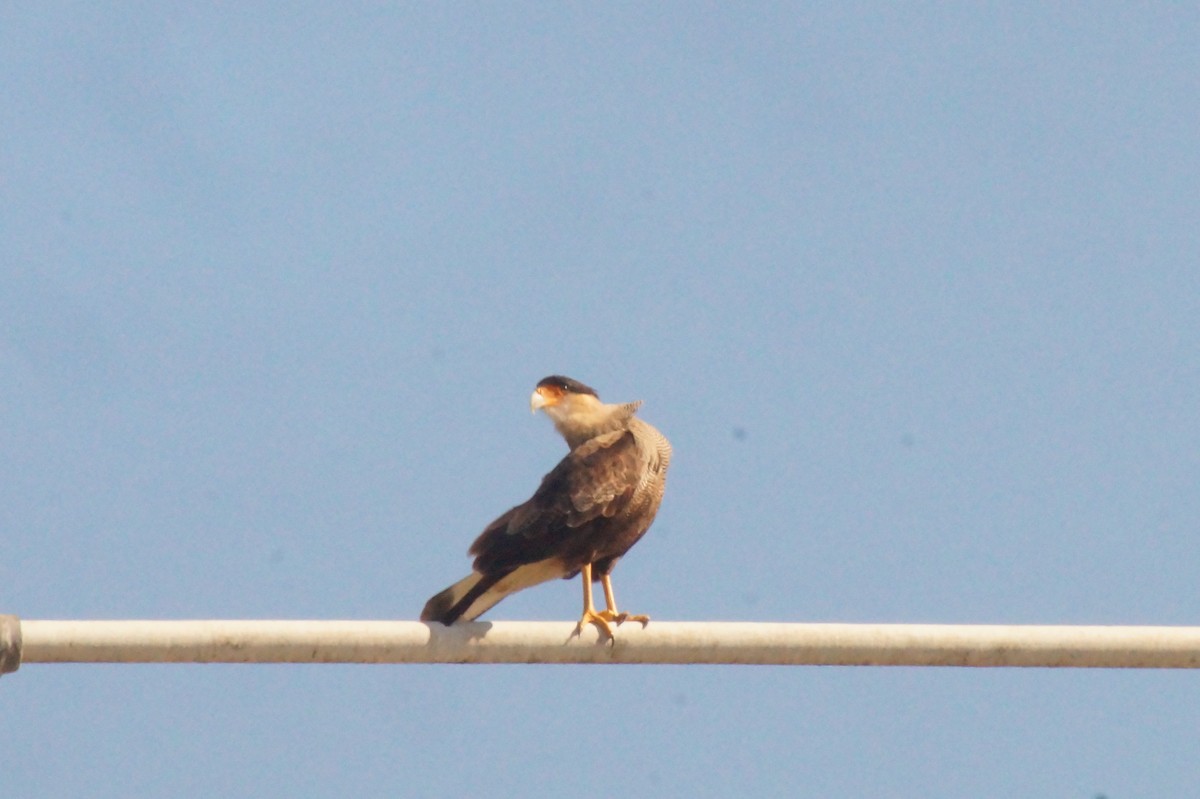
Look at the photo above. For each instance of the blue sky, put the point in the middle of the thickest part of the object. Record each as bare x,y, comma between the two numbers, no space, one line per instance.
913,291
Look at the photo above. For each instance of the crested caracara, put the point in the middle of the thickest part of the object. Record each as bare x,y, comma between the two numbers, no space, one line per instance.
589,510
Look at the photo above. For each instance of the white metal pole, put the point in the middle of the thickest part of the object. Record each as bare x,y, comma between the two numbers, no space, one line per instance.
559,642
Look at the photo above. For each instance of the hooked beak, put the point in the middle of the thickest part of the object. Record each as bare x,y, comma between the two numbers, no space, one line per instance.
536,400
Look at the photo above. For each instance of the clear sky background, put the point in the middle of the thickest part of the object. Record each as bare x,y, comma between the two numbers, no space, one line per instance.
914,291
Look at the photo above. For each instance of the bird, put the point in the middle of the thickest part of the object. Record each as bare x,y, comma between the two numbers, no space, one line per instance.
585,515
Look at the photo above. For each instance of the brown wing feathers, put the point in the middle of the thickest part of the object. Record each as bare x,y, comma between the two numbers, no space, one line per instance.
593,482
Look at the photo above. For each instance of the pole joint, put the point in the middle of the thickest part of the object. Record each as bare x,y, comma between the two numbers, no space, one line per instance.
10,644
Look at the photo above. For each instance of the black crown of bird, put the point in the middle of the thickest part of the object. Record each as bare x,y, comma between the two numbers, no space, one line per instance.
584,516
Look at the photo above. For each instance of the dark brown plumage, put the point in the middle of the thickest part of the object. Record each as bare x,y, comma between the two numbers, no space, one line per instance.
588,511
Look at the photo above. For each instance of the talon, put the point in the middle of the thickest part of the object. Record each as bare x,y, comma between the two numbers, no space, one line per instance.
597,619
604,619
611,601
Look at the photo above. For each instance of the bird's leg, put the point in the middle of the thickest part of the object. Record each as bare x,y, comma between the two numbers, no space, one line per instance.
590,616
611,614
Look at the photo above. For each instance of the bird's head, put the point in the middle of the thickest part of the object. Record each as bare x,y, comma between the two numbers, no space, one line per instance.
576,409
561,397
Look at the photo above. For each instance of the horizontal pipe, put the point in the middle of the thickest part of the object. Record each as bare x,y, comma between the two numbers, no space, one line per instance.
561,642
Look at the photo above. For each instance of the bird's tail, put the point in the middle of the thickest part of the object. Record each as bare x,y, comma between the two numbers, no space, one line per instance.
466,595
471,596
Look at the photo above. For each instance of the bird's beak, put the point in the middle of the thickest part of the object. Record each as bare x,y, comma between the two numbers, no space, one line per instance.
536,400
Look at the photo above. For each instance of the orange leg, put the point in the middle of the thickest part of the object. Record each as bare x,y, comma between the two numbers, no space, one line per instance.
612,614
590,616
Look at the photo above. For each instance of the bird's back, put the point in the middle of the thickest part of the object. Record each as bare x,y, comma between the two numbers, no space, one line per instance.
594,505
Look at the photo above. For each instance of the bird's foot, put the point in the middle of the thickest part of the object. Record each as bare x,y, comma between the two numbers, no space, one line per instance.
621,618
600,619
